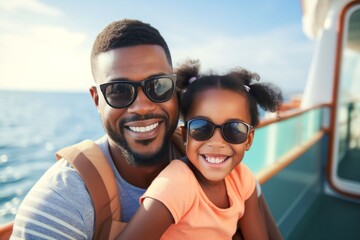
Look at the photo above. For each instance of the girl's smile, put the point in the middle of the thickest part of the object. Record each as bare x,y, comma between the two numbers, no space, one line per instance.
214,159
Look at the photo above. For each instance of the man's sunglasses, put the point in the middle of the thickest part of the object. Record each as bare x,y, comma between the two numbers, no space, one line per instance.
234,132
122,93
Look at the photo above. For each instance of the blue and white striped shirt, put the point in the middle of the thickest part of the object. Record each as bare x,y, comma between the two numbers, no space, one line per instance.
59,206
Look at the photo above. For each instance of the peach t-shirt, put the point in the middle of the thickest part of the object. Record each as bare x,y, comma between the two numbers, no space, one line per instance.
196,217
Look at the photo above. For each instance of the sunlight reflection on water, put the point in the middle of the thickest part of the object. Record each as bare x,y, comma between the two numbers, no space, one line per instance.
33,125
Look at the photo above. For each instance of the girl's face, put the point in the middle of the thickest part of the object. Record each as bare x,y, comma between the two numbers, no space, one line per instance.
215,158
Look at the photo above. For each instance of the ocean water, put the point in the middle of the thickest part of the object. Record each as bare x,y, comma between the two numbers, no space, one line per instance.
33,125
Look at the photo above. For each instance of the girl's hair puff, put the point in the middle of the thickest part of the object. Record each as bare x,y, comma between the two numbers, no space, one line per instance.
268,96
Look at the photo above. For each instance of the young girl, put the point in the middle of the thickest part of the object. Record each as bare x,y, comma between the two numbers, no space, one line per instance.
210,194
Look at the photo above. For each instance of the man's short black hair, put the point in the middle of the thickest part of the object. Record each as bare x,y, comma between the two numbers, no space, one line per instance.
127,33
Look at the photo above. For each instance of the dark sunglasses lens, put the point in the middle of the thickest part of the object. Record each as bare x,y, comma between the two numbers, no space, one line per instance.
200,129
160,89
235,132
119,94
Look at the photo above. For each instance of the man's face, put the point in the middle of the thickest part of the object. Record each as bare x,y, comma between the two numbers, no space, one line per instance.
142,130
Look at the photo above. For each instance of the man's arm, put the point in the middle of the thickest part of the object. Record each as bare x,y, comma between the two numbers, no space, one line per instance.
271,227
253,221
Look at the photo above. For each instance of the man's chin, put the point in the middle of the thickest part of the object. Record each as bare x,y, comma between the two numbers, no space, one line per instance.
146,146
148,159
146,142
151,153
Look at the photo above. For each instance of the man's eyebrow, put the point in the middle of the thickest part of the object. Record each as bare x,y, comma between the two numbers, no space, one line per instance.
119,79
131,80
158,74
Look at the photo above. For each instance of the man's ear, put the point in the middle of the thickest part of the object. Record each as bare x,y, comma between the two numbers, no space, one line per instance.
94,96
249,140
183,133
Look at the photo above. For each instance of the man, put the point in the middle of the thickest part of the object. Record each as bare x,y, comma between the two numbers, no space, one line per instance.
134,94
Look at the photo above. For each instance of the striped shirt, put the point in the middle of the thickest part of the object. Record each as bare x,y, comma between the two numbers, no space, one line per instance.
59,207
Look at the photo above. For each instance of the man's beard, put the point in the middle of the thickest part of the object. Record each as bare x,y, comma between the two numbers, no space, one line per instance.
134,158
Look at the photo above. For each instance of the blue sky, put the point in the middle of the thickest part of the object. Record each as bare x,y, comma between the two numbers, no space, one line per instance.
46,44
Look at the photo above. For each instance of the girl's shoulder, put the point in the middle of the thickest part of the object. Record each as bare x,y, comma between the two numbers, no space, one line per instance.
242,178
179,171
181,164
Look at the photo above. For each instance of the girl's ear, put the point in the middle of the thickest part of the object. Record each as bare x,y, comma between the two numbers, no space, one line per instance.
183,133
249,140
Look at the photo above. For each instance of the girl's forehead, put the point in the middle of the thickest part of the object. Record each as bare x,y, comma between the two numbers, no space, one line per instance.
220,104
212,94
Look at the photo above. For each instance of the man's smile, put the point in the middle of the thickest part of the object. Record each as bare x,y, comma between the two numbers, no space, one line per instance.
144,128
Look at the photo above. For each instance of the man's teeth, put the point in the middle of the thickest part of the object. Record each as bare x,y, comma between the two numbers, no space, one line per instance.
144,129
215,159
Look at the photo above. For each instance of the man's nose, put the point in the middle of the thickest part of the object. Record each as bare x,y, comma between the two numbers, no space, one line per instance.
142,104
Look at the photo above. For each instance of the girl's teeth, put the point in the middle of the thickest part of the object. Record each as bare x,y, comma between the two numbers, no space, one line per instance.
215,159
144,129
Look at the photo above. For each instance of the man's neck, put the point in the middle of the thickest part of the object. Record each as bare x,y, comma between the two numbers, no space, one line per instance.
138,176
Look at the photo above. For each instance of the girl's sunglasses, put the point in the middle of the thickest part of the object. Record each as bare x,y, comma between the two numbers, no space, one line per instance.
234,132
122,93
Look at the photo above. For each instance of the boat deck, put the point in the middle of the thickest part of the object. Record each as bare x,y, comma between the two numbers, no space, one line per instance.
329,218
299,199
349,167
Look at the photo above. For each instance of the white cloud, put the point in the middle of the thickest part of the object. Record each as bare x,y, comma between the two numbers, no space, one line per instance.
29,5
41,57
277,55
44,57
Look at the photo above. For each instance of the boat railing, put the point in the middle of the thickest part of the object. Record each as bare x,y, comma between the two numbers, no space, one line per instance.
288,156
282,139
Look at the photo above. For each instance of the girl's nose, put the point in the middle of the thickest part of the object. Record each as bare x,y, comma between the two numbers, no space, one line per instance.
217,140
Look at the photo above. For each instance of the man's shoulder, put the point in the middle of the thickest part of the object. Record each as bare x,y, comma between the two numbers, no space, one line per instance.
60,200
61,177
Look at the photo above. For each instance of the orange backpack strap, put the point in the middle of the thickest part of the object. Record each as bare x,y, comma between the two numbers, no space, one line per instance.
88,159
